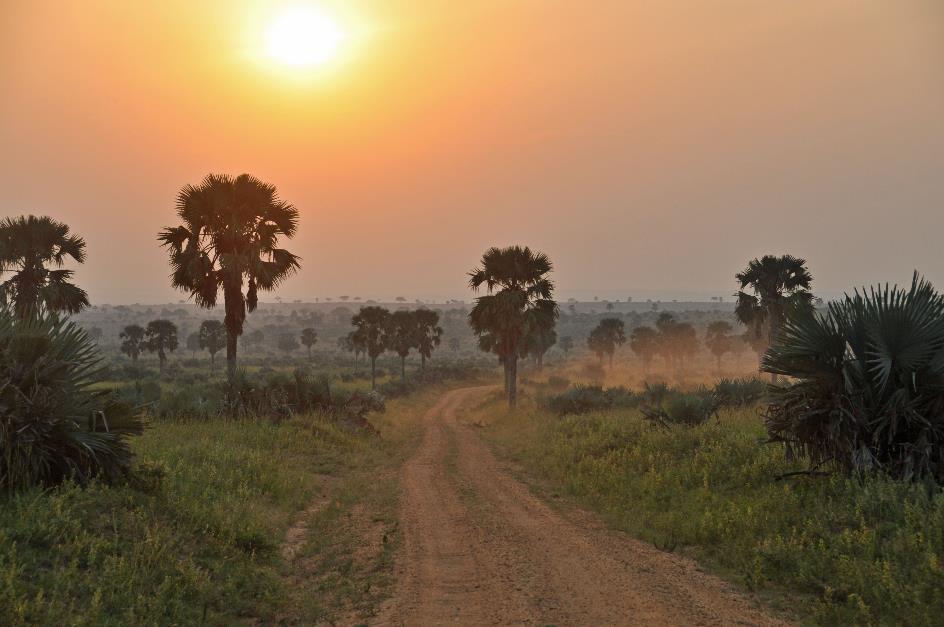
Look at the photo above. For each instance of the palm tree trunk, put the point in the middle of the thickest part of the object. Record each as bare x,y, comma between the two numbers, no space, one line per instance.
373,373
212,362
230,354
309,353
402,368
422,364
513,381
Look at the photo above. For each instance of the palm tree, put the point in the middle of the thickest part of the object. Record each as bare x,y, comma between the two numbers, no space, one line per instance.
193,343
566,344
780,287
28,244
537,342
309,338
401,336
606,337
644,341
161,338
229,238
455,344
428,334
718,339
370,334
132,341
520,296
212,338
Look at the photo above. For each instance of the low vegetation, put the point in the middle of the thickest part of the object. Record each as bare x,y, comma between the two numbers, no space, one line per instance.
198,538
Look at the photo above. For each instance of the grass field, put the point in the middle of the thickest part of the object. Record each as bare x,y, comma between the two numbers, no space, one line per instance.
204,545
851,551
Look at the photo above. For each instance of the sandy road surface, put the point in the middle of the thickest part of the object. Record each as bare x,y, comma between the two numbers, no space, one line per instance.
480,549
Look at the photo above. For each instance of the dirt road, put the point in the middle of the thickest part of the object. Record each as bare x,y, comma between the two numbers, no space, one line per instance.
480,549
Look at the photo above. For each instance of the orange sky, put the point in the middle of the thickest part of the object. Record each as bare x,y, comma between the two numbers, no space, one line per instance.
645,145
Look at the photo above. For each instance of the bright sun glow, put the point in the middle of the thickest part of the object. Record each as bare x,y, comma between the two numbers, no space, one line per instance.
304,37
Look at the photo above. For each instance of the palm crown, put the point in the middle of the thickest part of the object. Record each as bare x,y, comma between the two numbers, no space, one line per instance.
28,246
780,287
230,237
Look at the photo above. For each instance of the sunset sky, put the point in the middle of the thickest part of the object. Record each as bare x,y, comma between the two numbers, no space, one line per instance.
649,147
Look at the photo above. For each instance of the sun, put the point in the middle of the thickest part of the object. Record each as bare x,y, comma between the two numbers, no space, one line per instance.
304,37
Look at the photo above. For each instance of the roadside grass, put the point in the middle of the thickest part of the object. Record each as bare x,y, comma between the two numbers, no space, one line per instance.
830,550
201,545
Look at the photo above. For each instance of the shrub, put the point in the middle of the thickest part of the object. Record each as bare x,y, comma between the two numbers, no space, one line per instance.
396,388
666,406
740,392
53,425
869,383
558,383
583,399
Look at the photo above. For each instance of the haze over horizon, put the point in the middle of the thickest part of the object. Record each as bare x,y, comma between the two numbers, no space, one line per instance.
645,153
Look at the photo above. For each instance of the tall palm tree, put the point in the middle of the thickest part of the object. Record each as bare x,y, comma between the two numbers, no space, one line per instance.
644,341
428,334
537,342
608,335
161,338
400,336
309,338
212,338
28,246
132,341
370,335
229,239
781,288
520,297
718,339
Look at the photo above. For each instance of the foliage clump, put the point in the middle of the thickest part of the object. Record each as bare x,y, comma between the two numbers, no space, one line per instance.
583,399
869,383
53,426
740,392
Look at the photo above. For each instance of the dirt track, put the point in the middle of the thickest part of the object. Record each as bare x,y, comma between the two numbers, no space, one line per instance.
480,549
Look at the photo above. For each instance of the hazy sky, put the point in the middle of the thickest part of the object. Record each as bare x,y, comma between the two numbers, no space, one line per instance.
644,145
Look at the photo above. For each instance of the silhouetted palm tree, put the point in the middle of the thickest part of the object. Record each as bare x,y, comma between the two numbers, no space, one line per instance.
566,344
212,338
718,339
370,333
606,337
536,343
400,336
28,245
229,238
161,338
132,341
780,287
309,338
428,334
644,341
520,296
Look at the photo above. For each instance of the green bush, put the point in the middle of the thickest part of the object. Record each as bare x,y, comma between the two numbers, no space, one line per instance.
740,392
583,399
53,425
672,407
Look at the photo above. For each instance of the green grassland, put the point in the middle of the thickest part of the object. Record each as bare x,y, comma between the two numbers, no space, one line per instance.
865,551
196,539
